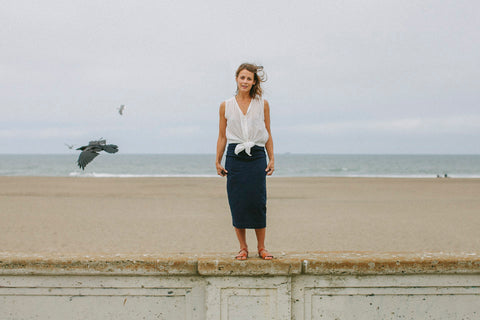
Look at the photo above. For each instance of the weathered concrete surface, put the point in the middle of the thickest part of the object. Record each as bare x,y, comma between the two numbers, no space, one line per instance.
318,285
101,264
226,266
101,297
412,296
389,263
352,263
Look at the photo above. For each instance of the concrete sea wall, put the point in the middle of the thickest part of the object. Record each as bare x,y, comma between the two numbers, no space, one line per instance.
333,285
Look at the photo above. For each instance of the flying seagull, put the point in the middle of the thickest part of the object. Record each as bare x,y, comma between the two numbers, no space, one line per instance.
70,146
92,150
121,109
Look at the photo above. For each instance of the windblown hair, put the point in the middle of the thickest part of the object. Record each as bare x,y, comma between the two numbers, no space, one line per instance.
259,77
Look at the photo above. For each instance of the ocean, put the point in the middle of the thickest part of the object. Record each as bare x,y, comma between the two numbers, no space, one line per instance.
202,165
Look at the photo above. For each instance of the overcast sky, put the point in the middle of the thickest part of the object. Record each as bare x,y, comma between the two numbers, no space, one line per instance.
370,76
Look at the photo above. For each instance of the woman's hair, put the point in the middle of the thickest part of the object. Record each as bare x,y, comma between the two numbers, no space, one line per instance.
259,76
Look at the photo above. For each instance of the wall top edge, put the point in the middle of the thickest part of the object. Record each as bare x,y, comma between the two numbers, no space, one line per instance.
222,264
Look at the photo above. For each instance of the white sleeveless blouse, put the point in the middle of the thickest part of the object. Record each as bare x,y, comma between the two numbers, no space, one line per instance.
246,130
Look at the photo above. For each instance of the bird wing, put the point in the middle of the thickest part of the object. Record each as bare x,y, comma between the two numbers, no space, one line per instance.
110,148
86,157
120,110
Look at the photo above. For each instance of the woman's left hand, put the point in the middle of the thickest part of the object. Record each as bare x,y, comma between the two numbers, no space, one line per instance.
270,168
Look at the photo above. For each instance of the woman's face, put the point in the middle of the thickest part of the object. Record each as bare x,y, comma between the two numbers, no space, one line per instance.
245,81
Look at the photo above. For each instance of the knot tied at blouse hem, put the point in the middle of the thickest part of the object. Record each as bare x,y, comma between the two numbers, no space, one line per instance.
247,146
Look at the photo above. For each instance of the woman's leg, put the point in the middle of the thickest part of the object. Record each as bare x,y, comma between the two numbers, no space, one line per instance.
242,238
261,237
261,244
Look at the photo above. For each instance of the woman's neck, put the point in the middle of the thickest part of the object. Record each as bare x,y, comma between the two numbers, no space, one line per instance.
243,96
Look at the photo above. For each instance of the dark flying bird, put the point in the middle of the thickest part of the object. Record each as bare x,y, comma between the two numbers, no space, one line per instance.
92,150
121,109
70,146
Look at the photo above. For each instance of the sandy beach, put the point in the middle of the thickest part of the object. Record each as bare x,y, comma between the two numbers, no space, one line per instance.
191,215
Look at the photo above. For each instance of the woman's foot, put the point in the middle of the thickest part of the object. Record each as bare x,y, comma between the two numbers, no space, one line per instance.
264,254
242,254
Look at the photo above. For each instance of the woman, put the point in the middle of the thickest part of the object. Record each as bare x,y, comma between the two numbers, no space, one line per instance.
245,126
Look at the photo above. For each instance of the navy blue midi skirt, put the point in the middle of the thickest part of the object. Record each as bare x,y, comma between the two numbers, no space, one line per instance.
246,187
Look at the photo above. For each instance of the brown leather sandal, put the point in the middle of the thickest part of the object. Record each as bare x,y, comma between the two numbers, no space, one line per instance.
242,254
264,254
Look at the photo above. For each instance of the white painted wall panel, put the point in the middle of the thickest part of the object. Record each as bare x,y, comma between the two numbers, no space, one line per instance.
197,297
387,297
100,297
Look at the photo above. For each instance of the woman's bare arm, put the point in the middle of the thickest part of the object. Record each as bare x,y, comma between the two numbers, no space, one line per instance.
222,141
269,144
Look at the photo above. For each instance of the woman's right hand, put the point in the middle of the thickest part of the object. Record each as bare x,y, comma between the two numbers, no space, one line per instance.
221,170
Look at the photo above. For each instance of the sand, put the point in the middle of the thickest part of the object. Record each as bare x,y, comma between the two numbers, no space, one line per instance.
191,215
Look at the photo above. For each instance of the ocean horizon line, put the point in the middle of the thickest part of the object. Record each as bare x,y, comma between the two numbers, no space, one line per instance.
279,153
128,176
202,165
